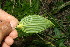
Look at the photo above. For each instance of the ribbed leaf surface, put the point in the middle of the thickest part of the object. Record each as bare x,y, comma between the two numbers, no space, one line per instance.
34,24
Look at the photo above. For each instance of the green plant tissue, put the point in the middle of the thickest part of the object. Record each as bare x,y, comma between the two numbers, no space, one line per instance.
34,24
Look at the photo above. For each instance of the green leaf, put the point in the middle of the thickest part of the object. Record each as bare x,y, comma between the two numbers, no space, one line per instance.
34,24
58,33
60,43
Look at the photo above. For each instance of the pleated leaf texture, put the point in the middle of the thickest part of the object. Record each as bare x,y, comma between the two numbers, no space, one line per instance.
34,24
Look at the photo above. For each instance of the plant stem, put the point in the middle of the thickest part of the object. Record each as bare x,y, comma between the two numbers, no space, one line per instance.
30,2
55,10
47,42
40,37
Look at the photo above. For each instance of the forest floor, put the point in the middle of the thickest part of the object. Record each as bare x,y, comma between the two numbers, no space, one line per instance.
54,11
